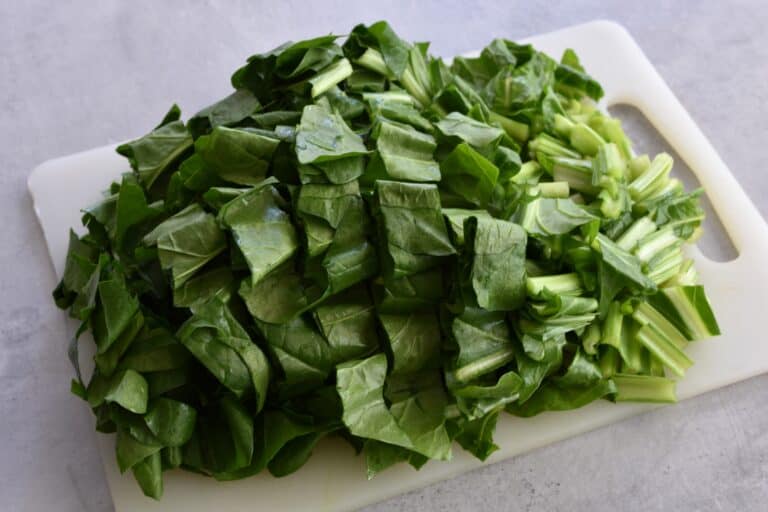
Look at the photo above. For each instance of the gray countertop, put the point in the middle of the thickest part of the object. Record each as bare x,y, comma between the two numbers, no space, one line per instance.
76,75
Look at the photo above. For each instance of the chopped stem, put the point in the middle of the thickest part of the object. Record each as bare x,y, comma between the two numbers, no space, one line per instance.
609,361
591,338
515,129
638,166
647,314
484,365
654,243
612,325
529,172
585,140
563,126
578,179
551,146
673,185
330,76
568,284
639,229
415,88
373,60
653,178
377,98
666,268
554,189
666,351
688,313
644,388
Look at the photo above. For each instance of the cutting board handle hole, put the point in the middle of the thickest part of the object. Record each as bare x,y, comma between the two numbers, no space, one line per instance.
715,243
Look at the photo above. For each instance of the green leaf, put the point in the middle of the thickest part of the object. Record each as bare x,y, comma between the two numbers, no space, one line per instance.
114,313
131,211
418,404
322,208
411,222
497,250
149,475
380,36
360,385
400,112
348,322
276,298
216,283
475,133
274,430
323,136
380,456
171,421
570,76
108,360
237,155
155,153
186,242
476,436
261,230
417,292
455,218
130,451
224,438
626,265
300,352
220,343
546,216
469,174
484,341
154,350
294,454
539,357
581,384
80,265
228,111
515,89
413,339
405,154
478,399
129,390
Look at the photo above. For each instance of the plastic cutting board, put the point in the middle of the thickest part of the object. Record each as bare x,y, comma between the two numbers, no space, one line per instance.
334,479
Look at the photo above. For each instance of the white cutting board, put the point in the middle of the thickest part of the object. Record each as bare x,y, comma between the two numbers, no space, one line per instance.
334,479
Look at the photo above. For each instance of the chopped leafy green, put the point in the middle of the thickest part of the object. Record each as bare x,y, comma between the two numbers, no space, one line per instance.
364,241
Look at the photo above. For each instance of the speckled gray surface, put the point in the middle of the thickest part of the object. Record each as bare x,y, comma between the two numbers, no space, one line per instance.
75,75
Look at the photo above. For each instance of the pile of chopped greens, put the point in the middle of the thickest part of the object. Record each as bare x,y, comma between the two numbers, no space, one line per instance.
366,242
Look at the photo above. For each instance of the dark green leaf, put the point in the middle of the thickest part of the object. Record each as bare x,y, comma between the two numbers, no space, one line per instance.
232,109
186,242
238,155
149,475
414,341
497,274
262,231
172,422
220,343
469,174
412,224
154,153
